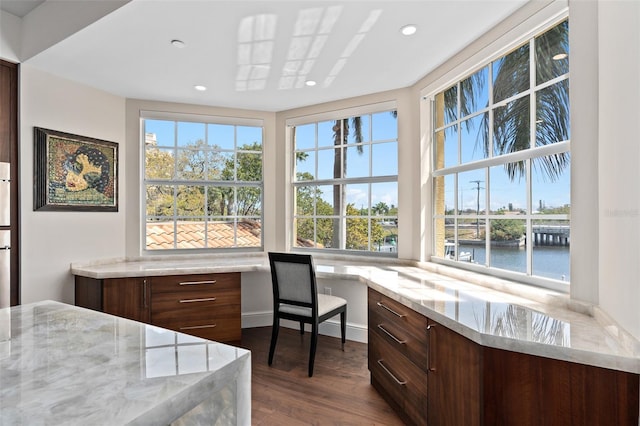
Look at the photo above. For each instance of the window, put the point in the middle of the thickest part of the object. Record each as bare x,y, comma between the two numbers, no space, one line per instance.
501,162
202,182
345,183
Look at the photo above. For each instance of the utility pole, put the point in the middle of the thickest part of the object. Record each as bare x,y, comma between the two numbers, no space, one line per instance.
478,188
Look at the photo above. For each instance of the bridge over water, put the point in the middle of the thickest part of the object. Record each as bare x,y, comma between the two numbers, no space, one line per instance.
543,235
551,235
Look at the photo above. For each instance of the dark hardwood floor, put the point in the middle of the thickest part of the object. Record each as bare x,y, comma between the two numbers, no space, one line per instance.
339,393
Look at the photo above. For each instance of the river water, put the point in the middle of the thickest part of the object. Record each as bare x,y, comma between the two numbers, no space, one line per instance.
548,261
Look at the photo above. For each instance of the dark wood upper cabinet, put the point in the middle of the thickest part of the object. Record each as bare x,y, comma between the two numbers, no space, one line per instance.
8,111
9,154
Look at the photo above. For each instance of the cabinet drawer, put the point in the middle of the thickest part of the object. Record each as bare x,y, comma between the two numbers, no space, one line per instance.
197,301
399,379
391,312
195,283
203,308
400,339
221,329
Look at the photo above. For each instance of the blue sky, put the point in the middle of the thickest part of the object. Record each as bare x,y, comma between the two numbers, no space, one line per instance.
384,160
218,134
381,129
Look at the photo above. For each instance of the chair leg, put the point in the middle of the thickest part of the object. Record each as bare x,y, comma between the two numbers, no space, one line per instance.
301,327
312,349
343,327
274,337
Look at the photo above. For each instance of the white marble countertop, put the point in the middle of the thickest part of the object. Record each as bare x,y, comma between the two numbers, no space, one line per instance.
497,313
69,365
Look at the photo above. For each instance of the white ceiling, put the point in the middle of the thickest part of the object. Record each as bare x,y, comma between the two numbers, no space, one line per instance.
258,54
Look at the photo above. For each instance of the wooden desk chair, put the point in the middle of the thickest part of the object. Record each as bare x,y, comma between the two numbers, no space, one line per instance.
296,298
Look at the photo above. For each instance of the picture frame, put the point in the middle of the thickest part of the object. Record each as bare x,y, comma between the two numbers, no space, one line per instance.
74,173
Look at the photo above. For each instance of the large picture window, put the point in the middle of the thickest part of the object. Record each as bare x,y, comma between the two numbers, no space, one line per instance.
345,183
501,163
202,183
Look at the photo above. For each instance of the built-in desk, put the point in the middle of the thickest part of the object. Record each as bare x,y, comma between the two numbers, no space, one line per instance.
540,322
505,352
68,365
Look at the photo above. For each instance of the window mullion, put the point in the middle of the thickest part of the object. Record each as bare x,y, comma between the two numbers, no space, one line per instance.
533,125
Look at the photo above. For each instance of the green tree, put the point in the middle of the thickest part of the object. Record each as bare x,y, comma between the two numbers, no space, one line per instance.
507,229
511,122
159,164
308,198
245,167
358,231
341,130
198,164
380,208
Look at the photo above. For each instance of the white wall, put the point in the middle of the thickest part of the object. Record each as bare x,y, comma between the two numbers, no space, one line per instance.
257,305
50,241
583,36
619,159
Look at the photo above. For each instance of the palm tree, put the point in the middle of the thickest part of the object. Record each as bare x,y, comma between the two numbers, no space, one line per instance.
511,122
341,131
380,208
340,138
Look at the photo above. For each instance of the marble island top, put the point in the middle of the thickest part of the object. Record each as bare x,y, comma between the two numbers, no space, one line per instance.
498,313
69,365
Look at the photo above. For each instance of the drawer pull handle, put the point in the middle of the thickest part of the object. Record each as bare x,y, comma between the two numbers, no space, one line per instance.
193,327
431,359
145,303
382,305
197,282
398,381
206,299
388,333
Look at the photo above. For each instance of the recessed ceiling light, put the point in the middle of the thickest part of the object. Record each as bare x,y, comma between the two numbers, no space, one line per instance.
177,43
200,88
559,56
408,30
310,83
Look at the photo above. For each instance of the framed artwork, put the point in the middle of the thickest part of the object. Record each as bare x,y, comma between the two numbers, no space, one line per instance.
74,172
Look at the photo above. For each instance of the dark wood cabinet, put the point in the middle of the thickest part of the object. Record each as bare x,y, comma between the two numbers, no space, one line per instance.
10,245
127,298
456,381
205,305
454,378
530,390
397,356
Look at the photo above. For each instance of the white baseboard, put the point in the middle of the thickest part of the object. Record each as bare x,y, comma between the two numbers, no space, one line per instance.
355,332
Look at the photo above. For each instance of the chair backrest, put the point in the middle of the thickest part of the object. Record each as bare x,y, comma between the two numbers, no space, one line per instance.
294,279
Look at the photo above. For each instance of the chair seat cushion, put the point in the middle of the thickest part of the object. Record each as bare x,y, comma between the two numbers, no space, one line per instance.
326,304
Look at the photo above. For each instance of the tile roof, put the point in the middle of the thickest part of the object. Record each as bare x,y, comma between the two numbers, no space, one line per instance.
191,235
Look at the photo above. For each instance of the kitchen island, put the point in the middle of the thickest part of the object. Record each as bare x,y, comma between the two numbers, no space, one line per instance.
69,365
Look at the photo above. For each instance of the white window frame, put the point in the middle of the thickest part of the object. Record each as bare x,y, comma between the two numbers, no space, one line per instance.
537,24
206,119
335,115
